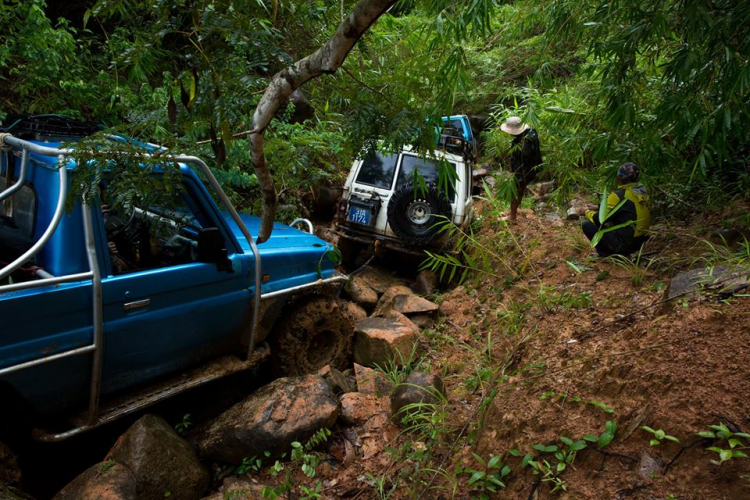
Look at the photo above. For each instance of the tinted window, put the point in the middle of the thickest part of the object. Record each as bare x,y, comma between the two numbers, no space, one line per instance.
377,170
21,207
427,168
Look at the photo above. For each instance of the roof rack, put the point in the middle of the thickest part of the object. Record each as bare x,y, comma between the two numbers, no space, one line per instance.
40,127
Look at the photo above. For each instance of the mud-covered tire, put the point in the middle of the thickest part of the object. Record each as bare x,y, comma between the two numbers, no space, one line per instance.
413,216
313,332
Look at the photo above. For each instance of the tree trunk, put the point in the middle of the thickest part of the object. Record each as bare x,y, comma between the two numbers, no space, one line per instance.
325,60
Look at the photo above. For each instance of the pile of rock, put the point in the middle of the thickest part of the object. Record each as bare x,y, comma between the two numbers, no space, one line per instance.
151,461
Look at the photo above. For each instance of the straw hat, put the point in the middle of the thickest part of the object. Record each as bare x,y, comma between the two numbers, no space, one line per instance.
514,126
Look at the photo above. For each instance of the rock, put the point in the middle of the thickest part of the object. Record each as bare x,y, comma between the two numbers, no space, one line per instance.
271,419
542,188
422,320
419,387
725,236
553,219
355,312
723,280
379,279
370,381
648,466
338,382
400,318
357,407
105,481
426,282
377,433
160,460
482,171
10,473
361,293
403,300
380,341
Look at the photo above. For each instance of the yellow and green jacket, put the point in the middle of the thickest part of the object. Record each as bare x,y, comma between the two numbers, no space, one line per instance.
634,209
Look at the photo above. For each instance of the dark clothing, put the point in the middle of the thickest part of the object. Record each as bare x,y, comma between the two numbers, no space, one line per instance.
611,243
627,239
525,156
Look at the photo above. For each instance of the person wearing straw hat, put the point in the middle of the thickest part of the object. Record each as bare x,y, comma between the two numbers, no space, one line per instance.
525,156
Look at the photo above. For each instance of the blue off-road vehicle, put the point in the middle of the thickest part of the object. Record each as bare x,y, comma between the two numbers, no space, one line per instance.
106,310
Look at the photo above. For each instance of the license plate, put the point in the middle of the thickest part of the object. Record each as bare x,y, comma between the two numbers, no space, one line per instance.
359,215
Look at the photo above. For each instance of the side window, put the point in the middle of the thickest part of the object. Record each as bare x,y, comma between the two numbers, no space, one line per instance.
377,170
152,234
20,208
428,169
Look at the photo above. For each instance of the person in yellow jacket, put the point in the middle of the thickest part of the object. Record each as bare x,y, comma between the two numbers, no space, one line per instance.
633,215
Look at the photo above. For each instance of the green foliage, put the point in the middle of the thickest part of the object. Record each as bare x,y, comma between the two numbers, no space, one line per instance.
736,442
489,477
182,426
658,436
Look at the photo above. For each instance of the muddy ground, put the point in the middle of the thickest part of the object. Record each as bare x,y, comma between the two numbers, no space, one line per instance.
558,350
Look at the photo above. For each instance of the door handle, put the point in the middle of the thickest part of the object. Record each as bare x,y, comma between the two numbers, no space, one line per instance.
138,304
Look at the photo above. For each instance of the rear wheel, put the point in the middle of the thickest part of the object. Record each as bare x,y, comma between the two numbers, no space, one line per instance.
414,215
314,332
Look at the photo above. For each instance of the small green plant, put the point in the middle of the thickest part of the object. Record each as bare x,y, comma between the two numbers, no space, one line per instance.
602,406
605,438
182,426
489,477
397,372
309,460
721,433
382,489
251,464
633,267
658,436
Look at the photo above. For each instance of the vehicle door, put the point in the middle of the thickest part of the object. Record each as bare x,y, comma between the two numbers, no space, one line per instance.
40,322
165,307
375,175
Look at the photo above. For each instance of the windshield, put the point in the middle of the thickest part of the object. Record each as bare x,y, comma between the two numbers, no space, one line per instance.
429,171
377,170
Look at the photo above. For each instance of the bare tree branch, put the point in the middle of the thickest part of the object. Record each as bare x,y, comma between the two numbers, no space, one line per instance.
325,60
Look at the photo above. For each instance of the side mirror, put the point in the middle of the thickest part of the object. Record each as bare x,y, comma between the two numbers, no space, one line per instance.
211,248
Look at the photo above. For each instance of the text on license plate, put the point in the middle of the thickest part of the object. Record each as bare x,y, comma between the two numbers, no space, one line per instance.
359,215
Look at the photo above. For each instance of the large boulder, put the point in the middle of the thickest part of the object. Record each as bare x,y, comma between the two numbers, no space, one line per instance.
160,460
10,473
358,407
380,341
419,387
271,419
105,481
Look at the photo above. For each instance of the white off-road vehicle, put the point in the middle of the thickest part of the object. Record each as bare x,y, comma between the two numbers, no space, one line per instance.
384,199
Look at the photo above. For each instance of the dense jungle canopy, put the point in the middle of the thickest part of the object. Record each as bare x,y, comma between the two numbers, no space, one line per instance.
663,83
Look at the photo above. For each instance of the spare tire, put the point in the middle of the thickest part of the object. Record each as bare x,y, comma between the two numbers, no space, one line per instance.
412,214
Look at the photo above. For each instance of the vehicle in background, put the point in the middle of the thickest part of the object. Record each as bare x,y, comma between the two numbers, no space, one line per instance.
399,199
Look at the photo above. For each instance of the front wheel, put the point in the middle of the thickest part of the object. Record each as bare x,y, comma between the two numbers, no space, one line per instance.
314,332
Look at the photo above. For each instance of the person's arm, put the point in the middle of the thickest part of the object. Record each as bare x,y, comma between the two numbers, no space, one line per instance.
612,201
